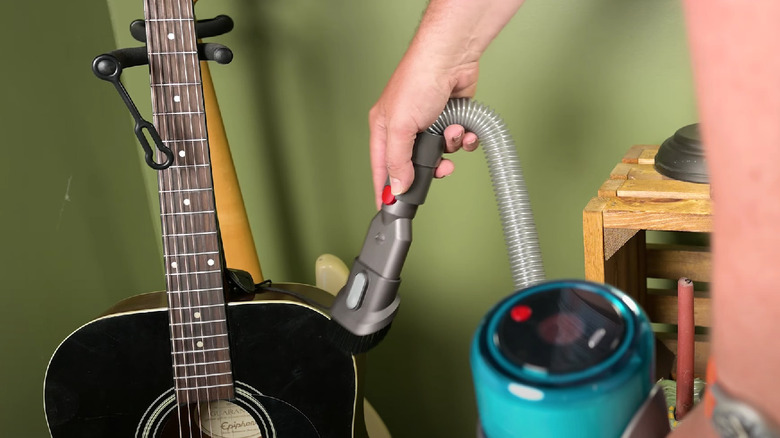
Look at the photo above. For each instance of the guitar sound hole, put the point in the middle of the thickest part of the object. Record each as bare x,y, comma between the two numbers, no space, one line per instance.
218,419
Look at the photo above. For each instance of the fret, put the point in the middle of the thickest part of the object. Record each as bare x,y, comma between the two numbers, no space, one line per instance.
177,84
203,387
201,351
193,273
191,254
208,189
181,213
172,223
189,234
202,377
203,364
178,114
195,290
203,306
188,52
186,195
186,338
211,298
190,241
175,283
185,140
208,311
189,161
194,165
169,19
198,322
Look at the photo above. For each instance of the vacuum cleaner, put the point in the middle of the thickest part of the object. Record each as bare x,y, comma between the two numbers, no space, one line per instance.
554,359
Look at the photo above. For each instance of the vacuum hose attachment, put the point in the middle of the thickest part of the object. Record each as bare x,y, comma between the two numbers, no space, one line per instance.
365,307
514,207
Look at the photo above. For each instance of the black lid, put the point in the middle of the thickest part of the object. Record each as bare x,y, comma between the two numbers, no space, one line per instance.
560,331
681,156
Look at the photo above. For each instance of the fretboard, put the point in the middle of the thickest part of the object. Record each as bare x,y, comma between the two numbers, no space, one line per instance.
194,278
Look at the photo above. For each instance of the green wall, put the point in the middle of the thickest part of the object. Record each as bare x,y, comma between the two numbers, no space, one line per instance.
576,82
75,229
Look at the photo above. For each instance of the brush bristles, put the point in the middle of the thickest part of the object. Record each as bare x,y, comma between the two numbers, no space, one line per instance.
351,343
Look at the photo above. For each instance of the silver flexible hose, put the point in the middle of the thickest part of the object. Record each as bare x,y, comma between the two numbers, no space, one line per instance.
514,207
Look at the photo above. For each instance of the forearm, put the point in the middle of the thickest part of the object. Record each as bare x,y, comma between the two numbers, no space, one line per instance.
442,62
735,47
458,31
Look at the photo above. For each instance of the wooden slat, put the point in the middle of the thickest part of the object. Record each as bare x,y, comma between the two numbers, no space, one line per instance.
663,189
675,261
647,156
610,188
634,152
593,239
645,172
626,268
621,171
663,309
673,292
651,214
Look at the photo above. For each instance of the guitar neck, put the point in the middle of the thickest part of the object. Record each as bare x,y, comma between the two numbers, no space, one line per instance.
193,263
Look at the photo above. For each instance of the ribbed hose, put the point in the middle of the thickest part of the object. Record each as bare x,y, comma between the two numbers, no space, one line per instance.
514,207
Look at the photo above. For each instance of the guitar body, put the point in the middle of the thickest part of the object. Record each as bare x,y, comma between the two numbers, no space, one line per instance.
113,377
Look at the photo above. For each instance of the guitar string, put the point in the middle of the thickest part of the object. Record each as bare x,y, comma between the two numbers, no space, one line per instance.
167,175
177,69
194,69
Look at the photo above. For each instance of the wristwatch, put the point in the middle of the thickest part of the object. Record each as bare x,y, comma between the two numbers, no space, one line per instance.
733,418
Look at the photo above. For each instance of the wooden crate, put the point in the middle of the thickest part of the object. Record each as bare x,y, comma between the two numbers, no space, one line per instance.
636,199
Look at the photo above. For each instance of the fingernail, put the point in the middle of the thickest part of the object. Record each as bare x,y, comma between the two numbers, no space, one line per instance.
457,137
395,186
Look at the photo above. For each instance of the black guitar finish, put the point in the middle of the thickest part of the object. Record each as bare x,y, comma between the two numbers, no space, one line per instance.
186,363
112,377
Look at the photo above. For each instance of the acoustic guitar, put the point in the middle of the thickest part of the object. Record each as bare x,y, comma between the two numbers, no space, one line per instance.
188,362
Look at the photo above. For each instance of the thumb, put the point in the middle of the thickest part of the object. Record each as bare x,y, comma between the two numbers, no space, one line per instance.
398,157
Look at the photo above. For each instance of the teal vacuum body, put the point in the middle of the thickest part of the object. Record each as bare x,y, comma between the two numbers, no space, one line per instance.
562,359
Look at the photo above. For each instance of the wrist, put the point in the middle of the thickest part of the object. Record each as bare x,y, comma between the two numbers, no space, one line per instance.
732,417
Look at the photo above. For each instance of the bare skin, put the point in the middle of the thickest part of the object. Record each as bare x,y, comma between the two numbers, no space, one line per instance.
735,49
439,64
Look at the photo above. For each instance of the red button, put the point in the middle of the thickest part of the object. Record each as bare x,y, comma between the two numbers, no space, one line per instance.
520,313
387,196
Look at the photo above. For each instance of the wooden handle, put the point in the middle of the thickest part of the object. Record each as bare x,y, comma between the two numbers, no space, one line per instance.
238,244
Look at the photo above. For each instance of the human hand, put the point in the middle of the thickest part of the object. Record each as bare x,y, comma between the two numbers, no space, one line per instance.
411,102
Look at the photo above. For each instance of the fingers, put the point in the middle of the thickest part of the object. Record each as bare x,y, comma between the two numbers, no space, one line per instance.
397,164
377,146
446,167
456,138
470,142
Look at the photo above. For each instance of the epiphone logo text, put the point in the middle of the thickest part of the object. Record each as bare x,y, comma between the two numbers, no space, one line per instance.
223,419
237,425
